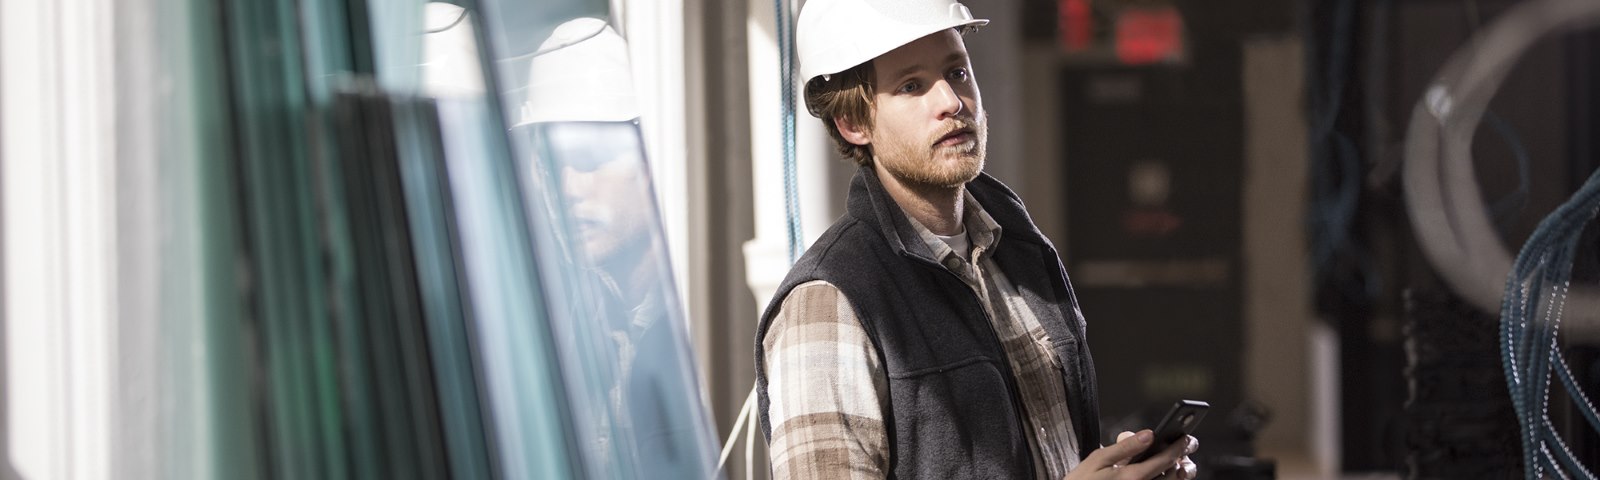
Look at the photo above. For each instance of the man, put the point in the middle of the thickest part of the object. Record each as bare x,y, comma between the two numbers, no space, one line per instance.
931,332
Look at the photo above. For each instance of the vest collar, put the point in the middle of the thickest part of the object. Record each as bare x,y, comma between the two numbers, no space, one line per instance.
870,203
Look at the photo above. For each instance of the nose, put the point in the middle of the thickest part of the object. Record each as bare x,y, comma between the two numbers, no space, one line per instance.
574,183
945,99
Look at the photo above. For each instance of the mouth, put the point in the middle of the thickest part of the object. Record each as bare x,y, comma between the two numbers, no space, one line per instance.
956,138
587,223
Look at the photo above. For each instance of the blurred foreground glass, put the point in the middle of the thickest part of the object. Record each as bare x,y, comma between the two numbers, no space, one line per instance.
604,281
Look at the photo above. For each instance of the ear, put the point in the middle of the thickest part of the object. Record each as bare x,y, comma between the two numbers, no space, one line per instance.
851,132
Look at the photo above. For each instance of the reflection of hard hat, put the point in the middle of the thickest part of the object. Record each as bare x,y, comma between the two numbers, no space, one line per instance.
834,35
581,74
449,52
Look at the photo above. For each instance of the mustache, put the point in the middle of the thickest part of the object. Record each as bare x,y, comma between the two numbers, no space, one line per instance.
957,125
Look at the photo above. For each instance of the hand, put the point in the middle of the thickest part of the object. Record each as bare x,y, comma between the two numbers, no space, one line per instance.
1185,469
1111,462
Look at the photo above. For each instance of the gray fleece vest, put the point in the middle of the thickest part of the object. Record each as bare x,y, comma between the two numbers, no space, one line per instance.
954,411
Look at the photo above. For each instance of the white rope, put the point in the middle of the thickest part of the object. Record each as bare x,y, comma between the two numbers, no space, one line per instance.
733,436
750,441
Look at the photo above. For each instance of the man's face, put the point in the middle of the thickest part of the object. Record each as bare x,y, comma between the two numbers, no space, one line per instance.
603,180
929,127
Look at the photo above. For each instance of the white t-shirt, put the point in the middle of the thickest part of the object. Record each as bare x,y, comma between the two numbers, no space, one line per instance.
959,242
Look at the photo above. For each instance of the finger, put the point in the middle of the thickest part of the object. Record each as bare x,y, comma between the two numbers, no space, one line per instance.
1120,437
1194,445
1125,448
1167,459
1187,470
1173,471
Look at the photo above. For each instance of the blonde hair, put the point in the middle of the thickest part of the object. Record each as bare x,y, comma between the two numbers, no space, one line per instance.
846,94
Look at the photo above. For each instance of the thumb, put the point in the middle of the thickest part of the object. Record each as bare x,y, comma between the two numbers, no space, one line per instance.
1128,445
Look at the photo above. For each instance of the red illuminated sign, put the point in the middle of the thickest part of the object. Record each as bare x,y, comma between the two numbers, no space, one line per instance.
1149,35
1076,24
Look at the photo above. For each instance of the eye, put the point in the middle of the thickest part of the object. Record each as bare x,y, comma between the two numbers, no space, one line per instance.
910,87
957,75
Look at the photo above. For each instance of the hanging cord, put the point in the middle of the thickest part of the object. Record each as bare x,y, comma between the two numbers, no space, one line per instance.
1338,260
744,413
1535,296
791,188
791,203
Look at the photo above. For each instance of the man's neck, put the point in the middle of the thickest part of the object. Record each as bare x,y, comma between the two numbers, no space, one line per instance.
938,208
632,266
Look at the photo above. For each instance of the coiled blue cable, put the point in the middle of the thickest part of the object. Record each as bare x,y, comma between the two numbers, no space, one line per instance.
1535,296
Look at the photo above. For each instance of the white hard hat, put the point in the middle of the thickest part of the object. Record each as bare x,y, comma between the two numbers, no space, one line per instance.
449,52
581,74
832,36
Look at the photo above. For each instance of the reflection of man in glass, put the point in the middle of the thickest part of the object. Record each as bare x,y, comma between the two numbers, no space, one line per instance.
608,197
583,112
607,191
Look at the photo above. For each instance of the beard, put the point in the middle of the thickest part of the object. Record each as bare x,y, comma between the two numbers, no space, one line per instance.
923,163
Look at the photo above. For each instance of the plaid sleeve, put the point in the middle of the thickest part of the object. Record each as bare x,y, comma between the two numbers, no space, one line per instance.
827,388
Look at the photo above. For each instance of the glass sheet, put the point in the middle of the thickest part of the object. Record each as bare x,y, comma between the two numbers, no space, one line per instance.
523,393
213,433
337,335
342,183
425,292
300,402
513,344
429,211
393,416
563,80
621,323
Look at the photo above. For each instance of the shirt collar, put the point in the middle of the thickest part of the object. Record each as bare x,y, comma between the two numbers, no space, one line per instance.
982,230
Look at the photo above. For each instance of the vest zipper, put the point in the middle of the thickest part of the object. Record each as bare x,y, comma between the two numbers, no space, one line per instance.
1005,363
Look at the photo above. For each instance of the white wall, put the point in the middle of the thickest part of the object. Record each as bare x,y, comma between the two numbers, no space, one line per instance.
57,177
766,255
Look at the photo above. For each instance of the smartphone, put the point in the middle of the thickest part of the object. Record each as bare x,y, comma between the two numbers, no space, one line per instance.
1179,422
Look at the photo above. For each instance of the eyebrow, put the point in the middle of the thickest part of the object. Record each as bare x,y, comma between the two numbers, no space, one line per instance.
952,58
